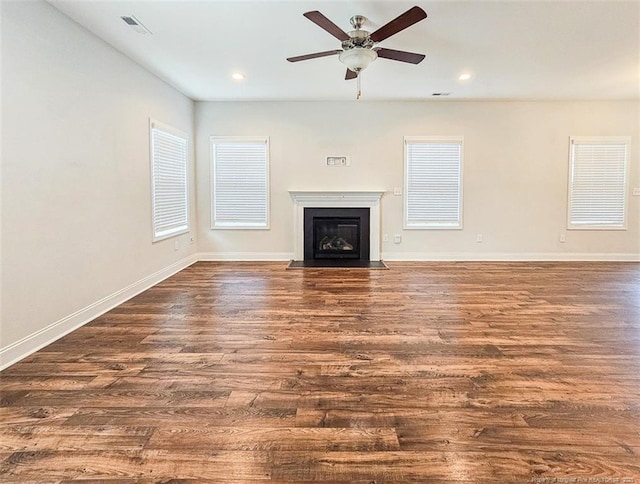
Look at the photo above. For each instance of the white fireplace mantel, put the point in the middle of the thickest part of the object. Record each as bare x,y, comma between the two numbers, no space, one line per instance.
335,199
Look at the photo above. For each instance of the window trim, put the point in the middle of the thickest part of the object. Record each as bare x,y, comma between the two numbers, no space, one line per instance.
155,124
626,140
221,139
432,139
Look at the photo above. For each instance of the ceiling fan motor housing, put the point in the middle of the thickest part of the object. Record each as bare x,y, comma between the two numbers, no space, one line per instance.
358,38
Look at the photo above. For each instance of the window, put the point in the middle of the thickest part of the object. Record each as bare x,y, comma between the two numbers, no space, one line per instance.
240,183
169,151
433,183
597,182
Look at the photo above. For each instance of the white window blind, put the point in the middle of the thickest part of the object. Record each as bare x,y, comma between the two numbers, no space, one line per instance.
433,183
240,183
169,152
598,183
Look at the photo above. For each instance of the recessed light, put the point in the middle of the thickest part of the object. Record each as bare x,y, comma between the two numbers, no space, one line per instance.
464,77
238,76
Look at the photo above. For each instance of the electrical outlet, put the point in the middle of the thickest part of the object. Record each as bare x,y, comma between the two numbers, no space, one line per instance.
636,192
397,239
397,191
479,238
385,238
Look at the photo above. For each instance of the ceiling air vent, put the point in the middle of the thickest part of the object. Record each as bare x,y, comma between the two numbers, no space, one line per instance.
134,23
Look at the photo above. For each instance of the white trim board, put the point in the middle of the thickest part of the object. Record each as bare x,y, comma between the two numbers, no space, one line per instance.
437,256
30,344
510,257
245,256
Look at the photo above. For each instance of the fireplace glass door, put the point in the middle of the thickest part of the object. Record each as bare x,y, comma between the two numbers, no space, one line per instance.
336,238
336,233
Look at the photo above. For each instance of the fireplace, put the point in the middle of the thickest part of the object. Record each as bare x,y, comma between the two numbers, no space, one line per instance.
369,201
336,233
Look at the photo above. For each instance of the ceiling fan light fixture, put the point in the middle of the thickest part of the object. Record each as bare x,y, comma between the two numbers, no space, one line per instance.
358,58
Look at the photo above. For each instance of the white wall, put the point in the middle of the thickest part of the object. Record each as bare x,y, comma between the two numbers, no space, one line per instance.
76,204
515,172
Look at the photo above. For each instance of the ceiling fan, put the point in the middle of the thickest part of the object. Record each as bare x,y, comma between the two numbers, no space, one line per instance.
358,46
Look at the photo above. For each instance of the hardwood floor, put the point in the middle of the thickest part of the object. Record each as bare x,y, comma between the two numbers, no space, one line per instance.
427,372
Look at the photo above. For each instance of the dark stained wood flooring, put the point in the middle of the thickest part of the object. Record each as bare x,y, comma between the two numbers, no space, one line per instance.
427,372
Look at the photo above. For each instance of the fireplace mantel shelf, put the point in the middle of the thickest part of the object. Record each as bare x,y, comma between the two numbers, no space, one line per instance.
308,195
329,199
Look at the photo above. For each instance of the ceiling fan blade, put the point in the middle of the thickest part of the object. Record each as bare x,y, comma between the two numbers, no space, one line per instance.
323,22
407,19
400,55
350,75
314,56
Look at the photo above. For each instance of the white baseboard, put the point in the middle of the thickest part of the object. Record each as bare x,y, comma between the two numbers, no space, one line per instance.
511,257
245,256
32,343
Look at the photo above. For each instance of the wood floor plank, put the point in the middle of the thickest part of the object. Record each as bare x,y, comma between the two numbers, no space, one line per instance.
619,441
447,372
27,415
75,369
452,466
122,398
34,382
174,417
74,438
117,464
261,439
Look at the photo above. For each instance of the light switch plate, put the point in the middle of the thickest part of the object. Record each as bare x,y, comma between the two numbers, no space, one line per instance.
338,161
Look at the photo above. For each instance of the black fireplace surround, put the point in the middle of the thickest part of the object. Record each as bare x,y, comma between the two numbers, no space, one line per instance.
336,234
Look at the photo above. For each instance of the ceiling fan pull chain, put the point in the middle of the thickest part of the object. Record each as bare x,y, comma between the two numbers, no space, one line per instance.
359,91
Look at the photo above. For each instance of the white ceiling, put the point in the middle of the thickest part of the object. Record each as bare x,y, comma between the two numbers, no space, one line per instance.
514,49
